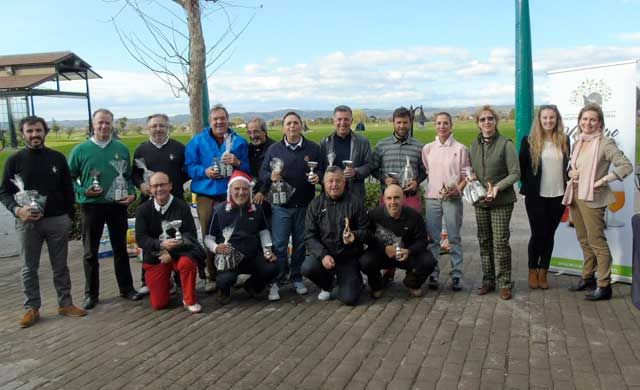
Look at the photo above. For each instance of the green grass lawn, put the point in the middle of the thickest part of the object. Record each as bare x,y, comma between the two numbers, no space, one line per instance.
464,131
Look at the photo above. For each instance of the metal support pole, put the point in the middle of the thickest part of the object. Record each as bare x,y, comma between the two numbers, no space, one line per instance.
524,72
86,81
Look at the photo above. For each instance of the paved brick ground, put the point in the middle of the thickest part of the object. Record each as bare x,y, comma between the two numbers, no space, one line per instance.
539,340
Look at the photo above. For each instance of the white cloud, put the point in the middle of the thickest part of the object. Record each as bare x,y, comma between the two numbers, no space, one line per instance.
629,36
428,75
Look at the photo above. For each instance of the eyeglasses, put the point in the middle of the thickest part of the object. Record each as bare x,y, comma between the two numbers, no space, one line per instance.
486,119
548,107
159,185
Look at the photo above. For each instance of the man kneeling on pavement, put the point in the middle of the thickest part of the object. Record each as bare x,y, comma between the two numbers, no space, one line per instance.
167,234
397,238
335,231
240,239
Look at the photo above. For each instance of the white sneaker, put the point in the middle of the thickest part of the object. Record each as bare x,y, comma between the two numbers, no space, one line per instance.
144,290
274,292
300,288
193,309
324,295
209,285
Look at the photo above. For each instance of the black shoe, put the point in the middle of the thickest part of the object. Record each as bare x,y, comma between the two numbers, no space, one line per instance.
89,303
584,284
224,296
387,279
599,294
456,284
131,295
432,283
250,290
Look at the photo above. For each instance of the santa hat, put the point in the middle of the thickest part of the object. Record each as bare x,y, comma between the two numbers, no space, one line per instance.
236,176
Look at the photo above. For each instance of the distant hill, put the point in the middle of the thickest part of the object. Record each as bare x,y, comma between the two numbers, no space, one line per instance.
306,114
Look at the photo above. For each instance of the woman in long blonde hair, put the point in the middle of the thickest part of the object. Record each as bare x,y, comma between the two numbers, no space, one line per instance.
544,156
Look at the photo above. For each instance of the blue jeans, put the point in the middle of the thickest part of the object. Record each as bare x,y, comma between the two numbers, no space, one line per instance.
452,211
285,222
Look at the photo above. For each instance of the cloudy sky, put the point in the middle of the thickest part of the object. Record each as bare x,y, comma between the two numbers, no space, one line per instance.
315,55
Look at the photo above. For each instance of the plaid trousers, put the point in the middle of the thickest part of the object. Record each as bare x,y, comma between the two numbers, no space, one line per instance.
493,237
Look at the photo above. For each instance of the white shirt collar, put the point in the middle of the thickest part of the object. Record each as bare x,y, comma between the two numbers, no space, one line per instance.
101,144
293,146
162,209
159,146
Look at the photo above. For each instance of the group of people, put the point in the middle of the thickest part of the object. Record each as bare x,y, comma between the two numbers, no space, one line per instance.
256,198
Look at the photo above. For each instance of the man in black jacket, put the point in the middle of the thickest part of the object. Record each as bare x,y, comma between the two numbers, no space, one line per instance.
45,171
336,229
260,143
159,154
397,239
158,223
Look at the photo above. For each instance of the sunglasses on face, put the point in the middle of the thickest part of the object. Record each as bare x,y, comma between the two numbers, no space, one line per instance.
486,119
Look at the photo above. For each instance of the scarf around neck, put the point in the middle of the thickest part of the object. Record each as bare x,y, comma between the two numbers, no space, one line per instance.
589,145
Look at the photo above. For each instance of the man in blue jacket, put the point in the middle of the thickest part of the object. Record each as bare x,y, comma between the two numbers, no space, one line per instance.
205,155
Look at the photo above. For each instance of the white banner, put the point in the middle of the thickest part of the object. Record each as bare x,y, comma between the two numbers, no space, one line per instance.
613,86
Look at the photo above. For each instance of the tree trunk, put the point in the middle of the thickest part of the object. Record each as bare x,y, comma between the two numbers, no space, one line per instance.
197,59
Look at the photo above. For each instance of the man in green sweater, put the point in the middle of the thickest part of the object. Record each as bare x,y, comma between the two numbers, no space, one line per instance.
101,171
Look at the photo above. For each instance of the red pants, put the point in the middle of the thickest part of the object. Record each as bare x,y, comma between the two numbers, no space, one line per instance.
158,275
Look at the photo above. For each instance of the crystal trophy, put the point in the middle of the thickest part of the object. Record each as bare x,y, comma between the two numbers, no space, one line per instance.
331,156
165,225
407,174
215,165
398,245
95,184
279,196
347,229
312,165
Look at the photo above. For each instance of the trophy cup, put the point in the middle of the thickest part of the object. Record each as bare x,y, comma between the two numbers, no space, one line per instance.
147,173
176,225
95,184
407,174
223,261
398,245
312,165
331,156
215,165
30,198
347,164
165,225
278,195
346,233
267,245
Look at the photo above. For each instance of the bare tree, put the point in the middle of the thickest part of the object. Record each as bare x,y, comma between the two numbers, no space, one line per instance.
173,47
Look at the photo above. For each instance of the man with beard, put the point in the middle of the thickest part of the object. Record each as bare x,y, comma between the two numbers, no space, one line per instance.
101,169
349,151
45,171
397,239
205,154
159,154
260,142
246,247
336,229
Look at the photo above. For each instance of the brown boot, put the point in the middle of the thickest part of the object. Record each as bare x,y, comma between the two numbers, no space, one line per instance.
533,278
542,278
505,293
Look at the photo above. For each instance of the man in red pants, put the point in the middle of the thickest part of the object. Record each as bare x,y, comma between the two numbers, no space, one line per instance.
167,234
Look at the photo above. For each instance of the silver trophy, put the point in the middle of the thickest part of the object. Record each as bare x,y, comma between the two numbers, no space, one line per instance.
147,173
30,198
279,196
165,226
398,245
474,191
331,157
347,164
267,244
95,184
176,225
226,170
312,165
215,165
228,261
119,188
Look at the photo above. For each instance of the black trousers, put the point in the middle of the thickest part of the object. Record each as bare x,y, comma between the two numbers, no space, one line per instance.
261,272
418,267
544,217
346,271
94,216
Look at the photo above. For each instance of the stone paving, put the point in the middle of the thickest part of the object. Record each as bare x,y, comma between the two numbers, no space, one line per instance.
539,340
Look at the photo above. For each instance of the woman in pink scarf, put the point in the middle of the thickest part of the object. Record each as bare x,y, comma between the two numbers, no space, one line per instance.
588,195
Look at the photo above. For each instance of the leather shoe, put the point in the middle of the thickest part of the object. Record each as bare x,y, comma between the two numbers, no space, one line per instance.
89,303
131,295
456,284
599,294
584,284
483,290
505,293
